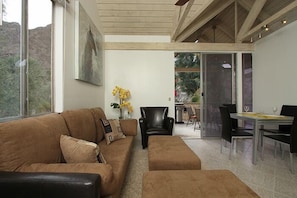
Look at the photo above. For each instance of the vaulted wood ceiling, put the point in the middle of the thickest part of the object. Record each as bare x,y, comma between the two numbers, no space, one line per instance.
204,21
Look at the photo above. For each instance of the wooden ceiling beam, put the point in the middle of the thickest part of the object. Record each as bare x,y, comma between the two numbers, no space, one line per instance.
181,47
248,4
195,16
271,19
181,19
203,20
250,19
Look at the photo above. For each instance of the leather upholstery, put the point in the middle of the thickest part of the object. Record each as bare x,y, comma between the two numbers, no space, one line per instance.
154,121
48,185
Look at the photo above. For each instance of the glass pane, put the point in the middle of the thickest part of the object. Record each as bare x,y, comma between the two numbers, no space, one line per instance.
187,84
39,24
217,90
247,85
247,81
187,78
9,59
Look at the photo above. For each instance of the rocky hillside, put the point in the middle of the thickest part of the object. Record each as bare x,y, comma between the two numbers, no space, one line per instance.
39,42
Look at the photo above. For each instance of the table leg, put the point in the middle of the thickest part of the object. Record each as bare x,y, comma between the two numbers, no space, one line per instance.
255,142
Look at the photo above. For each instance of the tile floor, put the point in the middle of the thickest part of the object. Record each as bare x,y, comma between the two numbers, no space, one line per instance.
270,178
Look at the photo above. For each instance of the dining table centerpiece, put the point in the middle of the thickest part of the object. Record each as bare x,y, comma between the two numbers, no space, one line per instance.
123,95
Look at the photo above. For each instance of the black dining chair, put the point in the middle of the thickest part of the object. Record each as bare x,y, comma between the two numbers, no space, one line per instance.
286,139
287,110
230,134
233,109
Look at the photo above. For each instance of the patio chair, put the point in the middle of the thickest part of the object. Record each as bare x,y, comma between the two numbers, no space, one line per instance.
191,115
197,121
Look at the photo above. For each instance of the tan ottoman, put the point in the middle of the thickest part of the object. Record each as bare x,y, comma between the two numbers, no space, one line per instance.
194,183
171,153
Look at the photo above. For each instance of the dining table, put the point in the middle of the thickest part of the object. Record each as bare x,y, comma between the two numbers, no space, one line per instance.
259,120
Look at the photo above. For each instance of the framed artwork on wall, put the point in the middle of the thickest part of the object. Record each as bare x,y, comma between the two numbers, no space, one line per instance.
88,48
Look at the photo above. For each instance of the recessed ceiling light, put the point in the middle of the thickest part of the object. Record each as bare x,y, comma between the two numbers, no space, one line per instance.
226,66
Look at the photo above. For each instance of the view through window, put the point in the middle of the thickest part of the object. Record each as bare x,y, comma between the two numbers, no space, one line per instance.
187,77
25,58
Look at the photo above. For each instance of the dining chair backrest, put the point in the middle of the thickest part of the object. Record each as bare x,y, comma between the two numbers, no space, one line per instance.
287,110
293,139
232,109
226,123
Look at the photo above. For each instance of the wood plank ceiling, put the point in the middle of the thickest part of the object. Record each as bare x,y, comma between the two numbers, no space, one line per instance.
205,21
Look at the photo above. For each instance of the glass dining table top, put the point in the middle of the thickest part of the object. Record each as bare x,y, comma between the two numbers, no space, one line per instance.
262,117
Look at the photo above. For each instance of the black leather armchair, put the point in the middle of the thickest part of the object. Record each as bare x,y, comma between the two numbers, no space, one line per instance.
154,121
48,185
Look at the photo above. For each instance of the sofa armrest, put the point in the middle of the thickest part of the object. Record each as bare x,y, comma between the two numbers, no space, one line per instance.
129,126
46,185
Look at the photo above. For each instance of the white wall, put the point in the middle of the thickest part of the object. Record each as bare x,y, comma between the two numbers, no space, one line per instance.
78,94
149,75
275,70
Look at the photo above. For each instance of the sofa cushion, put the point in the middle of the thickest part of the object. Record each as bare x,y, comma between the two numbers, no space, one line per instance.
31,140
113,130
118,155
78,151
98,114
80,124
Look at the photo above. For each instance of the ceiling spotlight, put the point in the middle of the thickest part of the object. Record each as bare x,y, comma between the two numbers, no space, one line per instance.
260,35
266,28
284,21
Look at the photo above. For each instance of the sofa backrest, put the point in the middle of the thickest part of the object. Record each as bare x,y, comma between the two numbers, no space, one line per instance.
98,114
31,140
81,124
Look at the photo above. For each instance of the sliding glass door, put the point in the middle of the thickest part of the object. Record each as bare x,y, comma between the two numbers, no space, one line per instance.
218,88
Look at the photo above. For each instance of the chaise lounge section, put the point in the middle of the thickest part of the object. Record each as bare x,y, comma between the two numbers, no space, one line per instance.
175,171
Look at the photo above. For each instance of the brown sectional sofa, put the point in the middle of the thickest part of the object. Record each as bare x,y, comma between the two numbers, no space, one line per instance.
33,145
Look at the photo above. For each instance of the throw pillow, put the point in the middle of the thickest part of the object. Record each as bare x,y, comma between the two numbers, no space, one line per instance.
78,151
113,130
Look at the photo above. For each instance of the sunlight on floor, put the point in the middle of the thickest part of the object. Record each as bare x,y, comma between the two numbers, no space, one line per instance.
186,131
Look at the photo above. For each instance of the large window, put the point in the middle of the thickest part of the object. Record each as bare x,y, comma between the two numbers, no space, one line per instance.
25,58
